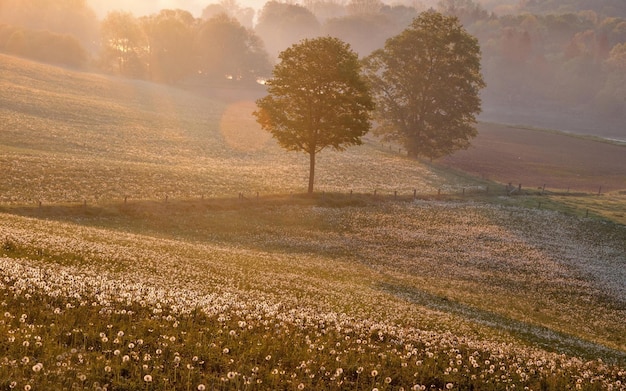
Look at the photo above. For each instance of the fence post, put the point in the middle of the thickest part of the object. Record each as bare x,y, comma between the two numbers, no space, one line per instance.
414,193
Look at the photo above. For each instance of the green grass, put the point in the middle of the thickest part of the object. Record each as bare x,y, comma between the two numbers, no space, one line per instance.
466,289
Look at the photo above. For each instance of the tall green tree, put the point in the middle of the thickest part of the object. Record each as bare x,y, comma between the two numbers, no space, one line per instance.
426,82
317,98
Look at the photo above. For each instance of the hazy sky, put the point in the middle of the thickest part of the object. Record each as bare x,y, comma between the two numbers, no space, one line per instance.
146,7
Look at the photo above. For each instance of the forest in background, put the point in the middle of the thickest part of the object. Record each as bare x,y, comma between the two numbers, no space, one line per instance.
536,54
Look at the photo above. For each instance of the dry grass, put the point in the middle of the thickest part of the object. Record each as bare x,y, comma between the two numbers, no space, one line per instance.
334,291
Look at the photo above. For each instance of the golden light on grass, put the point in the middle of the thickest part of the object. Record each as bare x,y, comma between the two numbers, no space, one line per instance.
239,128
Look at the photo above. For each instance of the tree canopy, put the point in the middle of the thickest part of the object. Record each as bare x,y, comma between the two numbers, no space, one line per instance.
316,99
426,81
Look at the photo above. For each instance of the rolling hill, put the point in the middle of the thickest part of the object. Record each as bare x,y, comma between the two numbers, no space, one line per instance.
142,269
86,136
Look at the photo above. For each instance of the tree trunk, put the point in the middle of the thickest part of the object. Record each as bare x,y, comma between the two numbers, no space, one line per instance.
311,171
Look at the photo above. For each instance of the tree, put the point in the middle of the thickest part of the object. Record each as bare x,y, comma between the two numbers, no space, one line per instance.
426,82
226,48
63,17
170,44
124,44
317,98
281,25
244,15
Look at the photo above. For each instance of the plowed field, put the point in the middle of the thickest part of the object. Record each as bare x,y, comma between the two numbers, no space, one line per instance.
536,158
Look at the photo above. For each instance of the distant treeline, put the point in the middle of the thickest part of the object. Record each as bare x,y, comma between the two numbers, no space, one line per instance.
42,45
568,51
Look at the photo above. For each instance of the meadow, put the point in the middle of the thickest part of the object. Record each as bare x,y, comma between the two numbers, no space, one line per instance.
129,261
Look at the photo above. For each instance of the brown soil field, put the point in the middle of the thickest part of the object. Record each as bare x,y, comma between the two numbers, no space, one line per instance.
535,158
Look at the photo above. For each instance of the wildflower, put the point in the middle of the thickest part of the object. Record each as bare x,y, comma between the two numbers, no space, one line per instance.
374,373
147,378
201,387
27,387
387,380
449,386
231,375
107,369
225,351
37,367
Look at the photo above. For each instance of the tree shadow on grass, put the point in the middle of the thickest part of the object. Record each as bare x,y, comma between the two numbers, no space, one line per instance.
535,335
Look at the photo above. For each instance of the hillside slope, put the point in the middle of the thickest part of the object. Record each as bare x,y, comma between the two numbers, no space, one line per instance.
326,292
68,136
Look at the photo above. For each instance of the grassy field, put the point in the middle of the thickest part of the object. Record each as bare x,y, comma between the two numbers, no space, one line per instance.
581,175
142,269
